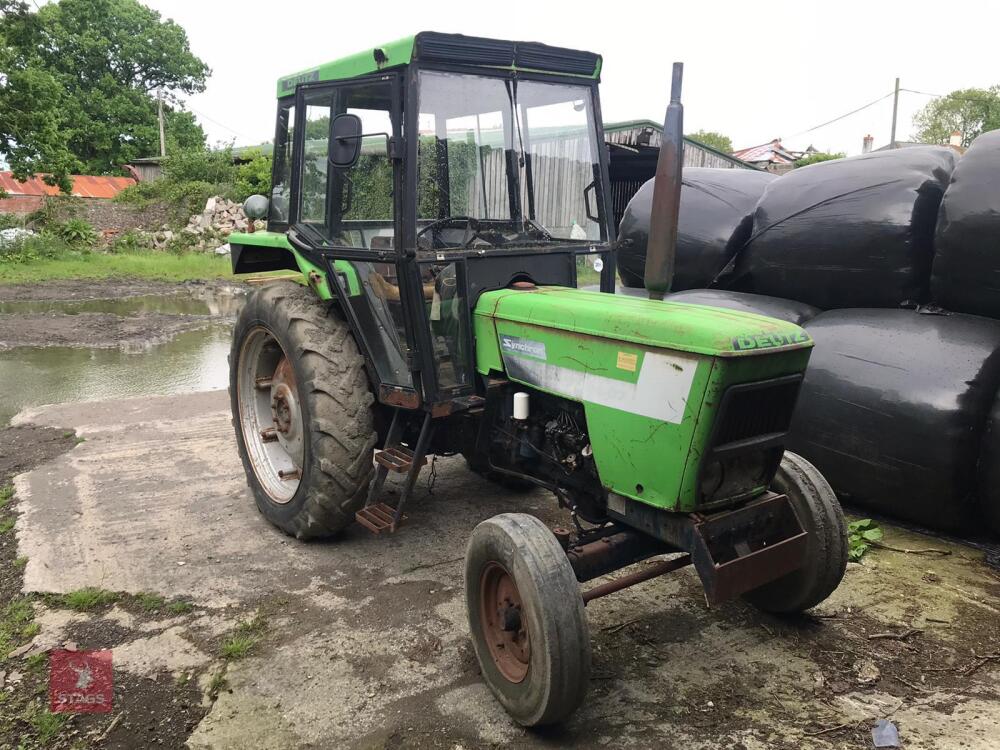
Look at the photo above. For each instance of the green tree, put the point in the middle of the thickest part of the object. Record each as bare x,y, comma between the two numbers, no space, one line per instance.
816,158
79,85
717,141
968,111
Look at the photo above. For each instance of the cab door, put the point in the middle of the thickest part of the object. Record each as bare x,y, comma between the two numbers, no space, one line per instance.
349,219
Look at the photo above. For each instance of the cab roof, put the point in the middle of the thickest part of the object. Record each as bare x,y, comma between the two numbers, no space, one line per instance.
431,46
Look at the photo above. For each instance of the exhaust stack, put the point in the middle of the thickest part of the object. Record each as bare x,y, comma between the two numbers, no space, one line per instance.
662,245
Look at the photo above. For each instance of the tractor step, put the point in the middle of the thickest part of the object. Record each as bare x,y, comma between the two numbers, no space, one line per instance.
397,458
378,518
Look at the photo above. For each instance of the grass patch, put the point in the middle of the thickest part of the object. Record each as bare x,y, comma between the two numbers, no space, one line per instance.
7,524
217,684
150,602
86,599
36,663
6,494
180,607
244,638
16,620
20,562
146,265
47,725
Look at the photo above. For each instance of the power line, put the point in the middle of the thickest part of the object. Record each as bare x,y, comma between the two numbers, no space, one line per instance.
944,96
220,124
841,117
923,93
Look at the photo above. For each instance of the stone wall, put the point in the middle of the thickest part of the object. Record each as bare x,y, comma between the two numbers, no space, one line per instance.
104,215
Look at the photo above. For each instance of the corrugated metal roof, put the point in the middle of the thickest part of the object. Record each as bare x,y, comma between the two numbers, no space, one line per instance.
84,186
772,152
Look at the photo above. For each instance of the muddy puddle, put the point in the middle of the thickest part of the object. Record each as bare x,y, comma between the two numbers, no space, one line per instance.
113,342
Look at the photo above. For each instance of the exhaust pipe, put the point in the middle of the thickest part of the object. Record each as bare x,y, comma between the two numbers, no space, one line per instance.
662,245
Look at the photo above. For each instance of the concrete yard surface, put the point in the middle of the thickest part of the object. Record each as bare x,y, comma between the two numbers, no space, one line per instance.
365,639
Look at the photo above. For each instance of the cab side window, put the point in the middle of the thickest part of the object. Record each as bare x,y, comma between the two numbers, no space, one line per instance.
350,207
281,179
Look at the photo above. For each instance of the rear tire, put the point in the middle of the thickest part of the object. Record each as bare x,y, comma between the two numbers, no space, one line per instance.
327,410
526,619
826,550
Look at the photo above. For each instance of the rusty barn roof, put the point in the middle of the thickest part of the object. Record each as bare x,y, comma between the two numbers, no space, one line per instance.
84,186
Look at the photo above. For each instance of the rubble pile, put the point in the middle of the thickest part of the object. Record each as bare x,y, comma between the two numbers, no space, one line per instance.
209,229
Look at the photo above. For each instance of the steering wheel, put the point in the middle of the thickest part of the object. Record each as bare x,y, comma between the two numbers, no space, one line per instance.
471,228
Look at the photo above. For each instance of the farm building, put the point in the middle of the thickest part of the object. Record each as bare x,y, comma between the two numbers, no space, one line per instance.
633,147
25,197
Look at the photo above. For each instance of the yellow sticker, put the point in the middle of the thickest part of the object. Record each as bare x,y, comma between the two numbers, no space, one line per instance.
628,361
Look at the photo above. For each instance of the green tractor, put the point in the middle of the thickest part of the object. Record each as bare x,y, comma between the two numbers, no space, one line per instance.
446,200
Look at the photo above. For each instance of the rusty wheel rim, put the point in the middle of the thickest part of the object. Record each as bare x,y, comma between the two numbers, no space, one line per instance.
504,622
270,415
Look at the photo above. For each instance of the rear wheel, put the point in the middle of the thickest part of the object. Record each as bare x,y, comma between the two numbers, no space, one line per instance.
526,618
302,411
826,550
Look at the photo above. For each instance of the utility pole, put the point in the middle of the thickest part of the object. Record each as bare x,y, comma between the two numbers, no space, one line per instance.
895,109
163,142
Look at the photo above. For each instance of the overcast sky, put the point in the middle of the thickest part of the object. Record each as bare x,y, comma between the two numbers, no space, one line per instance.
753,71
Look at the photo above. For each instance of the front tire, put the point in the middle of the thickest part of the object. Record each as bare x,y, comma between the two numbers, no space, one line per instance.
302,411
826,550
527,619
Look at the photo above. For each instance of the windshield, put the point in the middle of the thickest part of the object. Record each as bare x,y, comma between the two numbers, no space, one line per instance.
506,163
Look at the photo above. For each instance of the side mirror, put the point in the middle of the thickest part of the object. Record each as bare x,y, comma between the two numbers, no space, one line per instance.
345,141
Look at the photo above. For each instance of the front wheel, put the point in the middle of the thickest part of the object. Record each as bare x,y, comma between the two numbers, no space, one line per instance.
526,618
826,549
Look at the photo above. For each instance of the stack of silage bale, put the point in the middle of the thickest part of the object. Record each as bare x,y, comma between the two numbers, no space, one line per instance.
895,406
901,249
715,220
854,232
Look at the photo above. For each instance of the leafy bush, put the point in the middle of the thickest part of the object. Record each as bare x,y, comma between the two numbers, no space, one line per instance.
42,246
191,177
130,242
75,232
861,535
201,165
253,177
181,198
54,210
805,161
10,221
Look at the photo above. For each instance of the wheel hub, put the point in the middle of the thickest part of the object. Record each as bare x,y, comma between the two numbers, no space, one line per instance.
270,413
285,408
502,615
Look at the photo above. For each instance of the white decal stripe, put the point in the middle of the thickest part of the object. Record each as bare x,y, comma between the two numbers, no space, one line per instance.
661,391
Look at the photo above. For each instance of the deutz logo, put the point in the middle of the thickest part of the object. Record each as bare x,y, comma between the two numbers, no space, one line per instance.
769,340
289,84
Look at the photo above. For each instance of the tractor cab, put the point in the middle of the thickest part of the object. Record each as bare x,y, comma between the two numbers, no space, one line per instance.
418,175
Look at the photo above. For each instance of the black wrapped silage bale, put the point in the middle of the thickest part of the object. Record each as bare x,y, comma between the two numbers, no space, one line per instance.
989,469
966,272
714,222
893,409
854,232
773,307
